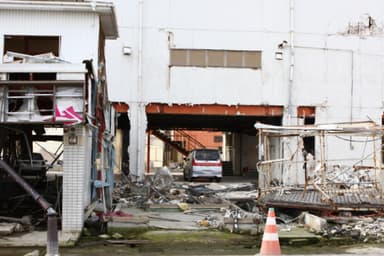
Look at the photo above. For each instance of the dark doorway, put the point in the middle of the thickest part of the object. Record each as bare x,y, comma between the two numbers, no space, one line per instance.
125,126
308,114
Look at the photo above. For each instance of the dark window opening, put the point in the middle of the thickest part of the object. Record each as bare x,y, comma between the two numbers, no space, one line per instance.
32,45
308,114
309,142
218,139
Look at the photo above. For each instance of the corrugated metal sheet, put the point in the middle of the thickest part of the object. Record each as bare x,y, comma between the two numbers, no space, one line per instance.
312,199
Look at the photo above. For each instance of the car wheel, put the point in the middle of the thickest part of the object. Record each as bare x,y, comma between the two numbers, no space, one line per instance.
218,179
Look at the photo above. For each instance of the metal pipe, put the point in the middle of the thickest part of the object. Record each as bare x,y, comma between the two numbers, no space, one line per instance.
292,54
19,180
148,151
139,151
52,236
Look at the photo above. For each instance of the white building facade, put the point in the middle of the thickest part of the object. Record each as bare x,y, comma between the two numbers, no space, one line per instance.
326,55
76,30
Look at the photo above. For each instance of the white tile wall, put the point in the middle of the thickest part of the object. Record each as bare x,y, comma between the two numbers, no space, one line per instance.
76,174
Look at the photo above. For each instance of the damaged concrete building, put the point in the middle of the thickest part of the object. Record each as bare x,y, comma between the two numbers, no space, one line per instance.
225,65
56,121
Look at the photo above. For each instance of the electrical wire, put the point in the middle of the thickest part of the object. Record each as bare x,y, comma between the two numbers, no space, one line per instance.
357,141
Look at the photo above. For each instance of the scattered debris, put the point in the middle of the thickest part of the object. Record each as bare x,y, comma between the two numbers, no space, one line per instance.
206,204
238,207
104,236
364,230
162,180
117,236
120,216
7,228
314,223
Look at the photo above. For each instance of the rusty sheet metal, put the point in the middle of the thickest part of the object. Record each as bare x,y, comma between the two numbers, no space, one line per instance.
312,200
215,109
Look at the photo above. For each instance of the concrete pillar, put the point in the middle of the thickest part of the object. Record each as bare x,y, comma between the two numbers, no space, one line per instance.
236,153
291,146
76,176
137,147
227,146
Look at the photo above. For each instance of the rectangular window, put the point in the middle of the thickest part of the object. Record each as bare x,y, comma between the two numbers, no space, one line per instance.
32,45
218,139
215,58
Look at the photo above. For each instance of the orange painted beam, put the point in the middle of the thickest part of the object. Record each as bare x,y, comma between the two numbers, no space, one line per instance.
306,111
120,107
214,109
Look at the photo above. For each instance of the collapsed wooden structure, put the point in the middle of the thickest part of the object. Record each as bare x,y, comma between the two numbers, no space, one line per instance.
322,182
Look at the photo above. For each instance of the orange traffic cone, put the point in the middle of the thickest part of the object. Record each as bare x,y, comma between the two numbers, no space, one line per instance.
270,244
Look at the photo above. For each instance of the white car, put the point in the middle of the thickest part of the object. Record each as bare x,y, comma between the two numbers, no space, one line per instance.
203,163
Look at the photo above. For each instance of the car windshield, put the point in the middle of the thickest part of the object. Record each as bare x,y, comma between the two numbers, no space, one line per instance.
207,155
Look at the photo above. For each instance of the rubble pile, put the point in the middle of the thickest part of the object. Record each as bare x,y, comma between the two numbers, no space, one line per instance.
350,177
162,189
365,230
9,225
210,205
234,207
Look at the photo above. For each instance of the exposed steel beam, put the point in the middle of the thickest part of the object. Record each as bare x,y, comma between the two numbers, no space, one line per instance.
120,107
215,109
306,111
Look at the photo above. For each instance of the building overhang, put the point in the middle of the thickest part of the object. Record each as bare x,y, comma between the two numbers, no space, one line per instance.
105,10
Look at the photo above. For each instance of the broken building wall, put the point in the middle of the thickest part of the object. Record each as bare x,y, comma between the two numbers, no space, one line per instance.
323,72
78,34
76,43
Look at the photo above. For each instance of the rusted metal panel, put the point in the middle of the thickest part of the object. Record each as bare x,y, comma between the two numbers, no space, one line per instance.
215,109
120,107
306,111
